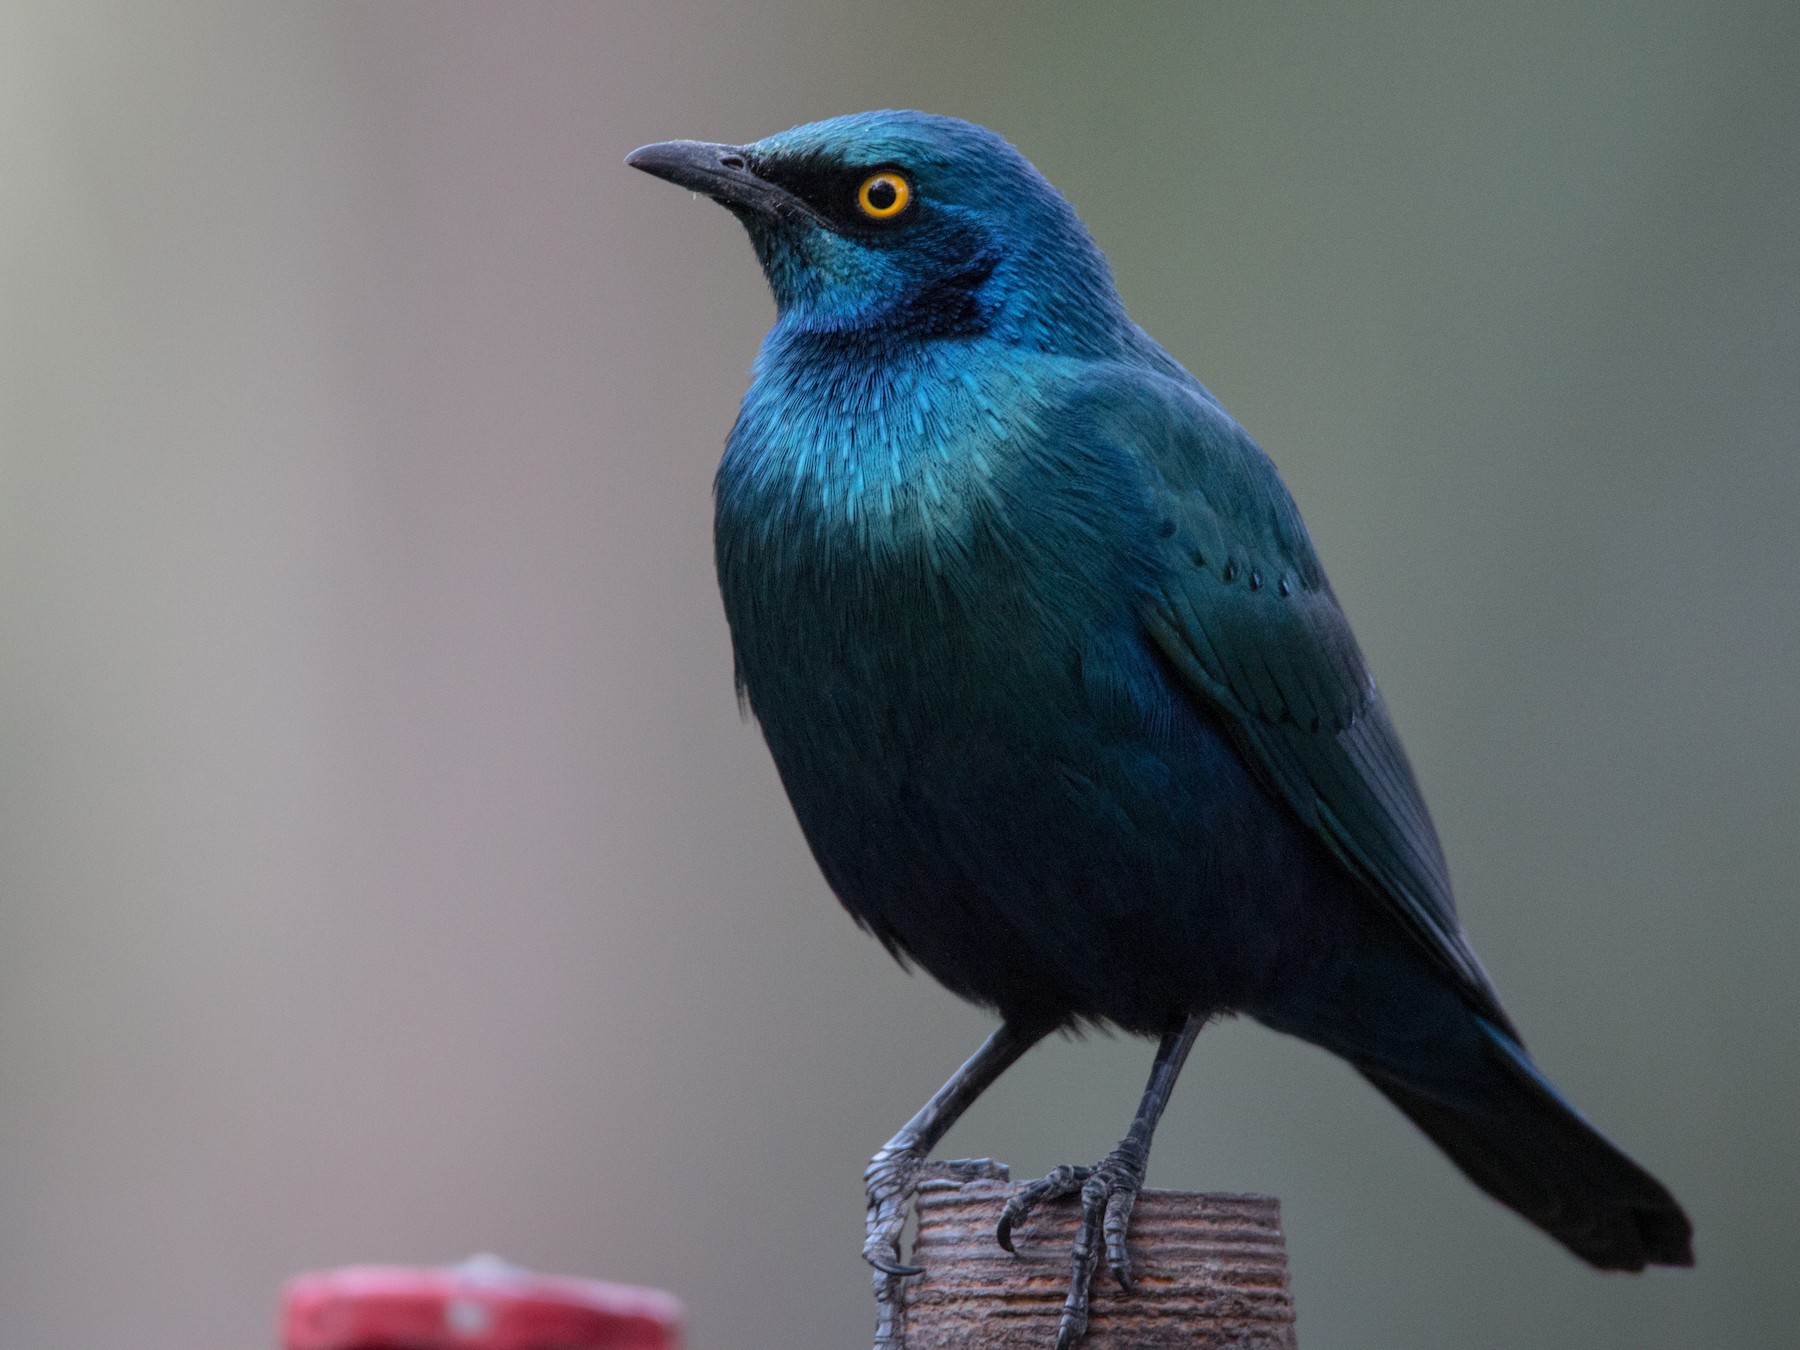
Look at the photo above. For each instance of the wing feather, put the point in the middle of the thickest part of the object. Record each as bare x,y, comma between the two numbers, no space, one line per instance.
1243,611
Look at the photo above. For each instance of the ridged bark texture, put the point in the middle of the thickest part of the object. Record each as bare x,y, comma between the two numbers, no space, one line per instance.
1210,1272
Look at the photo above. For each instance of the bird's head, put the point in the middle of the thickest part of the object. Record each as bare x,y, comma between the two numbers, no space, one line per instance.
911,225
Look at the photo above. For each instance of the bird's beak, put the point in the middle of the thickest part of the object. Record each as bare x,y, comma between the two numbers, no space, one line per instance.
723,173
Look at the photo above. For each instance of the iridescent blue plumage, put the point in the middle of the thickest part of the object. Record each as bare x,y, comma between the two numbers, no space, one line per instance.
1057,686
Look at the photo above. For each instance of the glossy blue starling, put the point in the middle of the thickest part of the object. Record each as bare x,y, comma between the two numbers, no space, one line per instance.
1062,697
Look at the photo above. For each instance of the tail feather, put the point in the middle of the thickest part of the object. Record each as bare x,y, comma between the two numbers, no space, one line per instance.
1472,1088
1517,1138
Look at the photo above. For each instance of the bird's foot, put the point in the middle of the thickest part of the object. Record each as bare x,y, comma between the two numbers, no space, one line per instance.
892,1181
1108,1190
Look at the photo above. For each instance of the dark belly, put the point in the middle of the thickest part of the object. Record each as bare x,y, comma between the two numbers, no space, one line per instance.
1045,823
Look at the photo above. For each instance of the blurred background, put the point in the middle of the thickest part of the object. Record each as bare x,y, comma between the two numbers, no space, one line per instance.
385,870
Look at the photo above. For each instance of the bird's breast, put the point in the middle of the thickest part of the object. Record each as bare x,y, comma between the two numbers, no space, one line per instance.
912,516
913,563
873,456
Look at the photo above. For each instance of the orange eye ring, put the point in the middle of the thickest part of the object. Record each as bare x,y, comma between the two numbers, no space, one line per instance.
883,195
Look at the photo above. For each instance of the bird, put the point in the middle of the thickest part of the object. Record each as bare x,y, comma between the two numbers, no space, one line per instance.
1062,698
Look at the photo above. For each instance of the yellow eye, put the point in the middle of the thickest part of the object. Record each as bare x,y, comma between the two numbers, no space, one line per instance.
883,195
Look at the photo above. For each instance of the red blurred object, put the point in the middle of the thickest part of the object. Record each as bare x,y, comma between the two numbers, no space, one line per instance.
482,1304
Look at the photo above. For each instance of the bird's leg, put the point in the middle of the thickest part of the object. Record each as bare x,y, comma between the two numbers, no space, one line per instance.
1108,1190
891,1178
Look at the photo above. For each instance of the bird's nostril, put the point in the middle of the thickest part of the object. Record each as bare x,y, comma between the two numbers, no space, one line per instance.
731,161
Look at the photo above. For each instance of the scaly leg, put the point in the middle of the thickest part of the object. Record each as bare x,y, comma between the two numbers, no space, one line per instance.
1108,1190
891,1175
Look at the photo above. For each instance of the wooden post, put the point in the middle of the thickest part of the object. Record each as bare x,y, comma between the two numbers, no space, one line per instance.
1210,1273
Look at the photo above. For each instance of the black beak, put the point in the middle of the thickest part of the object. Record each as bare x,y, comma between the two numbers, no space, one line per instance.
723,173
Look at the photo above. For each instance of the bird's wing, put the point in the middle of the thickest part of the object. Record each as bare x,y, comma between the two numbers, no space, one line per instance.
1243,611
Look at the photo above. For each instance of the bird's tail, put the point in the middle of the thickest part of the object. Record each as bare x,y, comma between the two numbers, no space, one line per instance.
1472,1088
1515,1136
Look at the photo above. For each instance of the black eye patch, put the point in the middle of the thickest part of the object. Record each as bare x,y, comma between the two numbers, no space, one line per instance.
831,187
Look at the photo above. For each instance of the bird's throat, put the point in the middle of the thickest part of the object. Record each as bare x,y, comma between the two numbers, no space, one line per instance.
902,446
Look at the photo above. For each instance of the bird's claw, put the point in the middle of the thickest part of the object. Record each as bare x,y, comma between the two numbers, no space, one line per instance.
1108,1192
893,1268
1064,1180
891,1180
